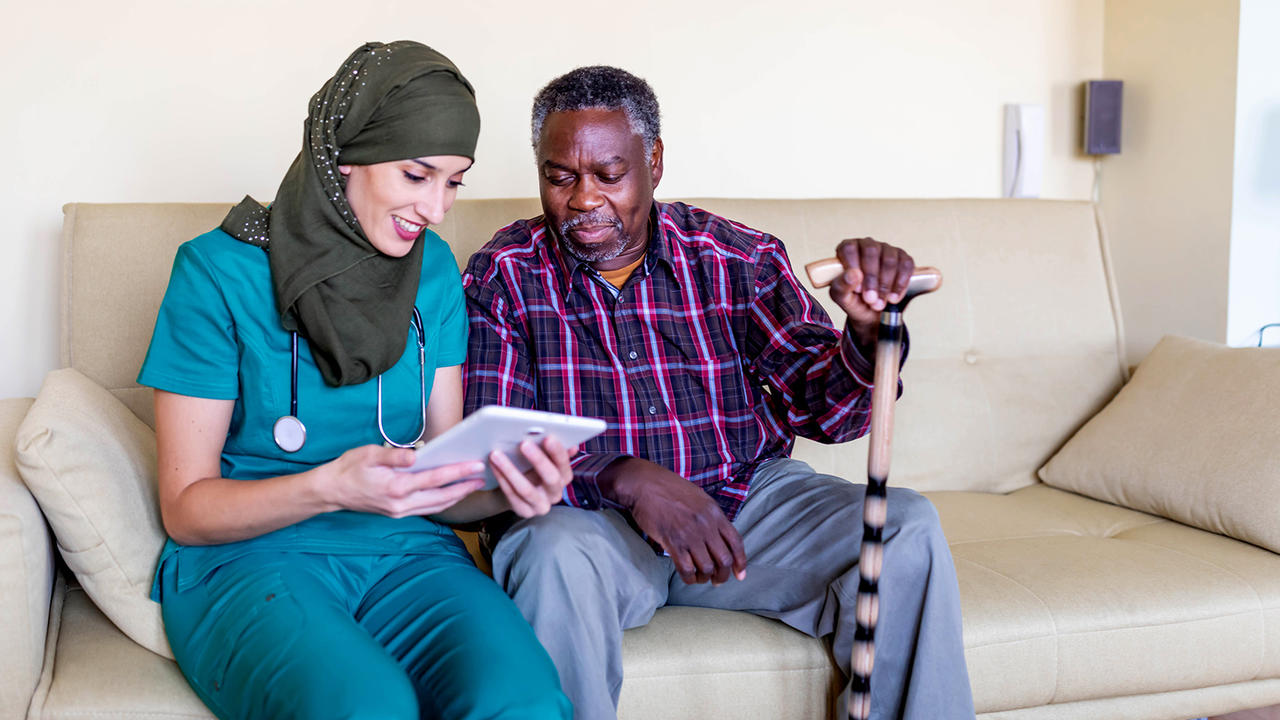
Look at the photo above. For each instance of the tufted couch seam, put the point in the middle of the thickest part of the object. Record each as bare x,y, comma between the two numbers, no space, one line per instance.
1057,654
1262,609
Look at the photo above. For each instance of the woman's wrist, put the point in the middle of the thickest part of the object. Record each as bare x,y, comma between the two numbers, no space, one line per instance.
320,488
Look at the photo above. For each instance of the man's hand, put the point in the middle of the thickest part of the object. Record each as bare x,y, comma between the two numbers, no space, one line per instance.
875,274
680,517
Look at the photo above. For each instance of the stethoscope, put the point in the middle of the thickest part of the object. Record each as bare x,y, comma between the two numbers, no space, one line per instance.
289,432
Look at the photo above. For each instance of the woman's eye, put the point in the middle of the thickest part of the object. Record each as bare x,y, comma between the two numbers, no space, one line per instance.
413,178
456,184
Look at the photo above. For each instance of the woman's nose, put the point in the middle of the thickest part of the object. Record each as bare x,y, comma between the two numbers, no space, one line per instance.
433,205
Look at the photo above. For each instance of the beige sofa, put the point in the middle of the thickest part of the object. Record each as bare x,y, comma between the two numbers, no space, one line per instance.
1073,607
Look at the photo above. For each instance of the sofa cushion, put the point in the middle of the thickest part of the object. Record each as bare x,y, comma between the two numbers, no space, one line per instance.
750,667
1067,599
1194,437
746,667
91,465
99,673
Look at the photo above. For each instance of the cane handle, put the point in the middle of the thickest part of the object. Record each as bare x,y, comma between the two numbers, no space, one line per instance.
924,280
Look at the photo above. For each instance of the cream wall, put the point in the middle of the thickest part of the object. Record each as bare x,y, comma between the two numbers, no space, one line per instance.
166,101
1167,198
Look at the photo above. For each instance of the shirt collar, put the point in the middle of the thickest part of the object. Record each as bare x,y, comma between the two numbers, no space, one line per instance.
657,254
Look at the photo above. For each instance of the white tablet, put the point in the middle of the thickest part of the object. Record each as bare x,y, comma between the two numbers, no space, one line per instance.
495,427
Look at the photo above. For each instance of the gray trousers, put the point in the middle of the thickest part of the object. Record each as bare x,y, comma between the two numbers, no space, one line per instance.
582,577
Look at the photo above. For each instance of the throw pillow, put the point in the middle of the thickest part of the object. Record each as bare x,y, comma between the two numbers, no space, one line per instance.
91,465
1193,437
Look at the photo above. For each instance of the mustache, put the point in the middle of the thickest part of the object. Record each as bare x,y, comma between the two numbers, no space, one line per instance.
595,217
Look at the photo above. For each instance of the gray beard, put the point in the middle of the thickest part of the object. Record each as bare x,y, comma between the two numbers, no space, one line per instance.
592,253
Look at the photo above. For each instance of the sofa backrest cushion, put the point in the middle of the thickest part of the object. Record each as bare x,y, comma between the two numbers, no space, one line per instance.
91,465
1007,360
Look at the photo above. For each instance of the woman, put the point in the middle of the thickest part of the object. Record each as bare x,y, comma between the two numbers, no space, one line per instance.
295,348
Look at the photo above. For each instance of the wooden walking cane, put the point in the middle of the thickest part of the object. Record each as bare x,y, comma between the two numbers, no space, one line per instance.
875,507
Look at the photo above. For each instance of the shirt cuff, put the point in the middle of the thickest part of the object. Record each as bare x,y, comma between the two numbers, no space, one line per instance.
584,491
862,367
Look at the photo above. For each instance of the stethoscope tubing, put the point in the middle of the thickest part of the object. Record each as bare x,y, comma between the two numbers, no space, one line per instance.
422,387
290,434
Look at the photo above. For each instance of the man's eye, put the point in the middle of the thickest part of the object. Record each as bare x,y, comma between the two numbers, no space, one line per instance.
559,180
413,178
610,179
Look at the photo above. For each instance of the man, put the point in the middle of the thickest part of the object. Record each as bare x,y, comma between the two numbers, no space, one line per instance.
692,337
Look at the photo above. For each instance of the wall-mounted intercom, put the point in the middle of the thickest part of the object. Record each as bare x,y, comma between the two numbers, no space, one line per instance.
1023,150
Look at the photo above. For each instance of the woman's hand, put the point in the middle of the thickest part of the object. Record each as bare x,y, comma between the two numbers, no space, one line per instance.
365,479
533,493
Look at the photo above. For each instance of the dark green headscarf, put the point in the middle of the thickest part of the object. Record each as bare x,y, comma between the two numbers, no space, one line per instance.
387,102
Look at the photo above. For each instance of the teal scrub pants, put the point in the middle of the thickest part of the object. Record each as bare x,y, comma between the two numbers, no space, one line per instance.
297,635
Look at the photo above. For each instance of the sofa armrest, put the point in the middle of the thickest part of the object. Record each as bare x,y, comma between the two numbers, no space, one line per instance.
26,574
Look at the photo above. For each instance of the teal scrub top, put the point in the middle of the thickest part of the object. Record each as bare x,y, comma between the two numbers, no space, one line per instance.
218,336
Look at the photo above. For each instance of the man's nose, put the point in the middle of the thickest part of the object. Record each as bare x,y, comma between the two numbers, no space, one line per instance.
586,195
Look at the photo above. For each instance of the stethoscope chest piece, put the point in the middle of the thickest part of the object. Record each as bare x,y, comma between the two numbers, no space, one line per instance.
290,434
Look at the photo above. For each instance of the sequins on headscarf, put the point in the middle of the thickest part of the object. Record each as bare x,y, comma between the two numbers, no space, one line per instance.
327,109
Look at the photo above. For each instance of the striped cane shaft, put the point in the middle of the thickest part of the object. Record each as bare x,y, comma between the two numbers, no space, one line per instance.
874,512
875,507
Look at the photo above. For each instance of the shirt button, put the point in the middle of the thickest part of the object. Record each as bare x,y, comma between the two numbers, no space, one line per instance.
653,410
632,354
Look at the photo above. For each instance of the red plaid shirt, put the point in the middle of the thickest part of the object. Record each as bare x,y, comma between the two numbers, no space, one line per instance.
708,361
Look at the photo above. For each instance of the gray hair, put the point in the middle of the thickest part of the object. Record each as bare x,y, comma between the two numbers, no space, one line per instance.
600,87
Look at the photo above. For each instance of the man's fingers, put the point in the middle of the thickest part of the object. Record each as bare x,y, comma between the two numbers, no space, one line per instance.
906,266
684,565
850,281
870,261
733,539
702,562
888,270
724,564
848,254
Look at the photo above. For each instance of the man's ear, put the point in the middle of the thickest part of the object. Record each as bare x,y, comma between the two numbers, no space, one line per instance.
655,162
344,169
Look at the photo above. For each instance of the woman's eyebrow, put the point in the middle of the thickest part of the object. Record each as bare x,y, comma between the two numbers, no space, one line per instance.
429,166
